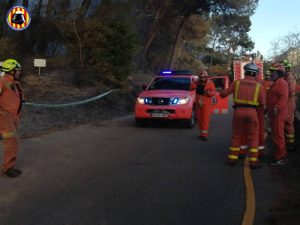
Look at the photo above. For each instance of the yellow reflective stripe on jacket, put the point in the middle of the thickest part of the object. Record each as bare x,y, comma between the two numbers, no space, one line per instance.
6,135
237,87
242,101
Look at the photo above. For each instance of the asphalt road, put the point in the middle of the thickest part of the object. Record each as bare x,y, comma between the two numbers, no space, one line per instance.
114,173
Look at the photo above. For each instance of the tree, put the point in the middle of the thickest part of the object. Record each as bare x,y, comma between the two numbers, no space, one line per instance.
10,4
229,31
84,9
287,47
25,3
49,11
217,7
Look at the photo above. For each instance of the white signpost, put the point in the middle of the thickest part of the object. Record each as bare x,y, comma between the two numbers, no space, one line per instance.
39,63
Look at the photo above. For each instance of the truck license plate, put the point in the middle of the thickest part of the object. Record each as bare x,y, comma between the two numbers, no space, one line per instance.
159,115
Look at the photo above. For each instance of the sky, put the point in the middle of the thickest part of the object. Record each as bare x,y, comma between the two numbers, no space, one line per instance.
273,19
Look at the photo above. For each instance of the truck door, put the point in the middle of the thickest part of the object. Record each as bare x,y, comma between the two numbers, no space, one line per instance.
220,105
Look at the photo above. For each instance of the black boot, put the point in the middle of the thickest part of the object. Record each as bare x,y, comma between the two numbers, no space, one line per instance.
290,148
13,172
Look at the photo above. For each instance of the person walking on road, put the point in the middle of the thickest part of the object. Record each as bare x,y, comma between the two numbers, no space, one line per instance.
11,97
291,106
248,96
277,98
205,91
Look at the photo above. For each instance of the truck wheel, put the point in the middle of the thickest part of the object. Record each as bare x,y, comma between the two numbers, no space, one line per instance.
190,123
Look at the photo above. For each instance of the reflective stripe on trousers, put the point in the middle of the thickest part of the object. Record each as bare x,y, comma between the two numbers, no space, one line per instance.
253,156
233,153
290,138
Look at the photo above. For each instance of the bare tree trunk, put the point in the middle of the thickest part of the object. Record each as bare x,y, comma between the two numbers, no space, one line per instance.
49,10
147,5
84,8
25,3
154,28
39,8
10,4
79,43
175,49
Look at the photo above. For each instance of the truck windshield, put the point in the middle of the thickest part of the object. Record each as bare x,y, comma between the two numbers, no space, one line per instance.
171,83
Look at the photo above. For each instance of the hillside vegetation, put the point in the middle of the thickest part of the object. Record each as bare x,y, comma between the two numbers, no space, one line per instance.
105,41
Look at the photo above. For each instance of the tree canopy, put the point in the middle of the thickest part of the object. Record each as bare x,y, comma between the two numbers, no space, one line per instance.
115,37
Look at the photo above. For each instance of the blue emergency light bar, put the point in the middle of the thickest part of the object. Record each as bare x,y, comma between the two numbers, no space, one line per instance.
177,72
166,72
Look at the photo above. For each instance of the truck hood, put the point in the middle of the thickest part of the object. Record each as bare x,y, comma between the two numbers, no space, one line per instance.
166,93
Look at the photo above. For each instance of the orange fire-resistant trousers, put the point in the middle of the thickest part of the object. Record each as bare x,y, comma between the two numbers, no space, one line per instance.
289,123
277,124
8,128
203,113
261,134
244,124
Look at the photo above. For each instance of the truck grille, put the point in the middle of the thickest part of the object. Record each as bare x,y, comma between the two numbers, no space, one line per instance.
160,111
160,101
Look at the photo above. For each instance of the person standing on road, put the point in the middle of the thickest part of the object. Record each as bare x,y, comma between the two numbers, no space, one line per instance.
291,105
261,125
11,97
248,96
261,119
277,98
205,91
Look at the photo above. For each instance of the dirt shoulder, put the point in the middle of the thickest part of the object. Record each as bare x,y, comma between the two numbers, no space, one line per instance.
48,89
286,208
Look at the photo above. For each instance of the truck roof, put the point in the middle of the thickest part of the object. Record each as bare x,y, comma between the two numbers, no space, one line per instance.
177,72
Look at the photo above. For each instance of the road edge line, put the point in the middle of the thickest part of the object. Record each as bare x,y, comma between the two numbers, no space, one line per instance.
249,213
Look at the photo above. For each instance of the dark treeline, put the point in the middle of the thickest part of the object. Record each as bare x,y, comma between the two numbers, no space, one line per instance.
115,37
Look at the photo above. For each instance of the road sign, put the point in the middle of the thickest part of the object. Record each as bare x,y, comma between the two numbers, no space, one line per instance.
39,63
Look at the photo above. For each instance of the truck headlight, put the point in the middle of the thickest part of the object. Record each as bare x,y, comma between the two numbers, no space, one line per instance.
144,100
179,101
141,100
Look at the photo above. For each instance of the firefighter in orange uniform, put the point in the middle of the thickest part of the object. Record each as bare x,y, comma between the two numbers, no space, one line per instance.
277,98
10,108
248,96
267,82
204,92
261,120
291,105
261,125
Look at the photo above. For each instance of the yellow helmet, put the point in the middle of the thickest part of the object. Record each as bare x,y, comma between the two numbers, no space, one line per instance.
10,64
287,64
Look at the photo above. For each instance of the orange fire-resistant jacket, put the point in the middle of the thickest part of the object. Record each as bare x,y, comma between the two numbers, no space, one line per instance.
247,91
203,97
11,97
277,97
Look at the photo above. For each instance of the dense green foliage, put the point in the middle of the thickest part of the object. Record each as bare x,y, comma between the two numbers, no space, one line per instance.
115,37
